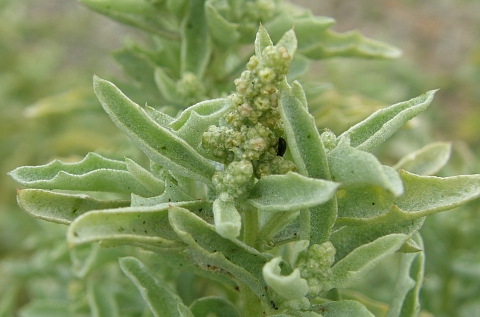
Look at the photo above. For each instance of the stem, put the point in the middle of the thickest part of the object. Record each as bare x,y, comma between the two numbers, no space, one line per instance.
250,227
252,306
304,224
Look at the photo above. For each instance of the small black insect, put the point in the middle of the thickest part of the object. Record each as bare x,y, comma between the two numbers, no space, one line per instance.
282,146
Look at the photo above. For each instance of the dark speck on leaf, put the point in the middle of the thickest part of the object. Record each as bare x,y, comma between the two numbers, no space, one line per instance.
282,146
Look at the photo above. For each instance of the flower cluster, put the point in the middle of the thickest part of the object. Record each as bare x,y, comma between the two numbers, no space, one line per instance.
315,267
250,132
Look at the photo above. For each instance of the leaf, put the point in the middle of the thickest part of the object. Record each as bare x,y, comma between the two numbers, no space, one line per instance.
379,126
223,32
167,87
140,14
353,167
160,144
345,308
144,177
351,44
243,262
290,286
197,45
302,135
430,194
288,41
262,40
426,161
159,117
101,301
148,225
171,194
290,192
161,300
59,207
406,293
195,120
362,259
217,306
227,219
93,173
363,202
348,238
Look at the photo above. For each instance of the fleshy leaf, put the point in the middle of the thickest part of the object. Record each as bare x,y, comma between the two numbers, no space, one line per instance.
363,202
351,44
159,117
171,194
166,86
426,161
196,119
158,143
145,177
289,41
406,293
290,286
302,135
148,225
262,40
345,308
196,42
379,126
353,167
222,31
217,306
227,219
348,238
140,14
59,207
290,192
93,173
243,262
361,260
161,300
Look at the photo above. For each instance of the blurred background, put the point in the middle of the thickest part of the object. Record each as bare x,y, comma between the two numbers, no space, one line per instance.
50,50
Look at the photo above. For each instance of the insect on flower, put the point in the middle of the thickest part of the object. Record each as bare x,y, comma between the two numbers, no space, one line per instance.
282,146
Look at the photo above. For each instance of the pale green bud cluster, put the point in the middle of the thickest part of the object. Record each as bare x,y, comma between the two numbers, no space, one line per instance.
252,128
235,181
315,267
190,89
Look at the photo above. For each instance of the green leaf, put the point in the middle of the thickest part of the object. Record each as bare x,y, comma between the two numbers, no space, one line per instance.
379,126
219,307
195,120
145,177
161,300
353,167
406,293
196,42
363,202
430,194
345,308
59,207
140,14
227,219
262,40
288,41
172,193
290,286
167,87
426,161
243,262
159,117
147,225
364,258
290,192
348,238
161,145
351,44
93,173
302,135
101,301
223,32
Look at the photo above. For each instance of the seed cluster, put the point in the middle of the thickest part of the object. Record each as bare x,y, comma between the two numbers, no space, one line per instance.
249,135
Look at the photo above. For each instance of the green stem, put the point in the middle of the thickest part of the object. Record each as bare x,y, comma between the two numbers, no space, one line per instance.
250,227
252,306
274,224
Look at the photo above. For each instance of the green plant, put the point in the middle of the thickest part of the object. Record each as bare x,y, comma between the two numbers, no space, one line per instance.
243,190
